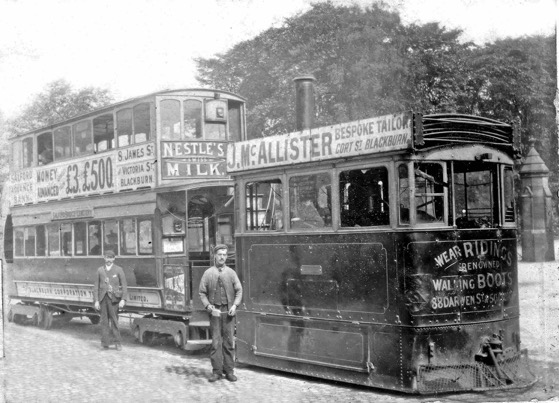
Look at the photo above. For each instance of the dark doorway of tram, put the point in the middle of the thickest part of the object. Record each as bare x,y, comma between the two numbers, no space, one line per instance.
192,222
210,222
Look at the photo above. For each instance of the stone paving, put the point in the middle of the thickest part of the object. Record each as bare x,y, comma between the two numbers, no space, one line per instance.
66,364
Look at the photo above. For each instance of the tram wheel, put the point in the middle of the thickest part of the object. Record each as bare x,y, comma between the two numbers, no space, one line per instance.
136,333
94,319
179,339
35,320
148,338
19,319
45,319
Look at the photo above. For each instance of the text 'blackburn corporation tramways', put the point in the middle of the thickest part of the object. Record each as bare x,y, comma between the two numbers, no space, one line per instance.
368,136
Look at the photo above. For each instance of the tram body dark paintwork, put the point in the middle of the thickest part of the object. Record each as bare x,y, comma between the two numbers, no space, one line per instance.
421,308
355,307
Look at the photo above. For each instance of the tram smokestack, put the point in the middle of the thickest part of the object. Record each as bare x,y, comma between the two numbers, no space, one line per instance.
304,102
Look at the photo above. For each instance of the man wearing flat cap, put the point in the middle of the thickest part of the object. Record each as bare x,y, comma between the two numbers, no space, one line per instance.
109,293
221,293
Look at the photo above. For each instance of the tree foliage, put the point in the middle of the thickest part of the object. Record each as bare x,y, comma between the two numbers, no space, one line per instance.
59,101
368,63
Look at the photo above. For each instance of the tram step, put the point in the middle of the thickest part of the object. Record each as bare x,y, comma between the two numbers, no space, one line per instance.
200,323
199,342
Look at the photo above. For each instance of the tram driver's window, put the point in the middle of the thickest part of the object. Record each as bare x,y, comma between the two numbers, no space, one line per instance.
264,205
475,195
364,197
170,119
429,193
29,239
310,203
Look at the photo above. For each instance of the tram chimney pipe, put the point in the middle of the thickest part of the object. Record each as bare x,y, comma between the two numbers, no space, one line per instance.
304,102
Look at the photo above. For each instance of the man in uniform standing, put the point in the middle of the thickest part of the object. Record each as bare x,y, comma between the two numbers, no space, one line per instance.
221,293
110,293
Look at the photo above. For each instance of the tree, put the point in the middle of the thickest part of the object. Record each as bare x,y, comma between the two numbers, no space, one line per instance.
59,101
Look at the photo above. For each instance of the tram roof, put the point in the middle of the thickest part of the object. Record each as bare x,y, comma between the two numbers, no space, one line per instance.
128,101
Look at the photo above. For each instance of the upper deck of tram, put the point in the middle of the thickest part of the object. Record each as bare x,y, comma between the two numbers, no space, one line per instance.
163,139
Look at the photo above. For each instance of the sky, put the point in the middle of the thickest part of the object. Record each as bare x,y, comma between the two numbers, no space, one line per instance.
134,47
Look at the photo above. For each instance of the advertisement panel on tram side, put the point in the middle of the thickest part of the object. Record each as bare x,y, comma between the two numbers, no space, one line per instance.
368,136
460,277
112,171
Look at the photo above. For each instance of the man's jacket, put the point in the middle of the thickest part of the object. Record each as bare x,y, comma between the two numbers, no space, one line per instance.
110,281
231,284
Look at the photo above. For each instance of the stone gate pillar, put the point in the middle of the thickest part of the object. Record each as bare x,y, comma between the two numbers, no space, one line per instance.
536,210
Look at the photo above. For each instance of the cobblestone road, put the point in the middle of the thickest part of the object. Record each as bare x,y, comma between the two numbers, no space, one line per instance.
66,364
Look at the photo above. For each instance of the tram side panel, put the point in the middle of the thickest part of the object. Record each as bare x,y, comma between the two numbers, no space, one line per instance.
70,280
321,305
460,305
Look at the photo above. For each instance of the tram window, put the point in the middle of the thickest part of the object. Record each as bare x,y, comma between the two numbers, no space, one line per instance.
215,131
29,240
80,236
264,206
27,152
53,236
475,189
404,195
509,195
128,236
62,143
16,154
66,237
234,113
310,201
225,229
141,123
145,240
170,119
364,197
429,193
94,238
82,138
19,234
44,148
193,119
124,127
110,236
41,240
103,133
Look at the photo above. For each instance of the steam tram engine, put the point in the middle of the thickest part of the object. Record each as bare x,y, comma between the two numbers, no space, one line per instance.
381,252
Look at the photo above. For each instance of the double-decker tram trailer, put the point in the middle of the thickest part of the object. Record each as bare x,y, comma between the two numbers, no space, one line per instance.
382,252
145,178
